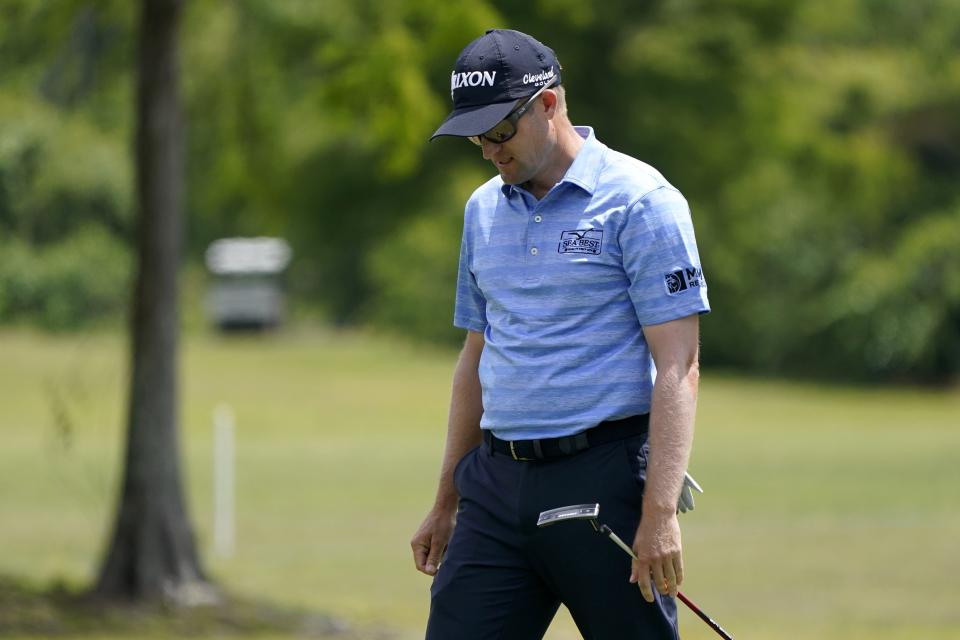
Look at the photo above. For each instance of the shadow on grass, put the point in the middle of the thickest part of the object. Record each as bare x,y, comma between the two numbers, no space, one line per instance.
60,610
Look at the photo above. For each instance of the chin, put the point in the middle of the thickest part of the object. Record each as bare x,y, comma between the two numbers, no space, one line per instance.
512,178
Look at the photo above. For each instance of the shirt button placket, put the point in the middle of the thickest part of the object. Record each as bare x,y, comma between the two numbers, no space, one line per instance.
537,219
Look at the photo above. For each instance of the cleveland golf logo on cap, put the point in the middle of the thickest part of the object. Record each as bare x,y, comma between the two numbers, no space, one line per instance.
539,79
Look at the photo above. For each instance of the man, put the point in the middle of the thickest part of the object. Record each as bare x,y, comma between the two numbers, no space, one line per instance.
580,289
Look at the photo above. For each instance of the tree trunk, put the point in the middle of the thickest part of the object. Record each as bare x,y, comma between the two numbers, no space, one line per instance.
152,555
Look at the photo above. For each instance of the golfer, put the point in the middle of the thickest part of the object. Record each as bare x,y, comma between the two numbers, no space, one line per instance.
580,288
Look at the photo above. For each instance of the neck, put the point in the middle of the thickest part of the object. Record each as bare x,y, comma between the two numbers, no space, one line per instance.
561,157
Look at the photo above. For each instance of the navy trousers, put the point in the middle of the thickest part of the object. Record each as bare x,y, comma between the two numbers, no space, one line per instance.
502,578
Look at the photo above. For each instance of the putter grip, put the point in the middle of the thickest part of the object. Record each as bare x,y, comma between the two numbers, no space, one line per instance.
607,531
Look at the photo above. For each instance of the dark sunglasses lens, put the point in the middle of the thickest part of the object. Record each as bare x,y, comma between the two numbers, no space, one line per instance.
502,132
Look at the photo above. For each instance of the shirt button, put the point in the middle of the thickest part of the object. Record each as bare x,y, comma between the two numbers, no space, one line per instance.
533,251
538,218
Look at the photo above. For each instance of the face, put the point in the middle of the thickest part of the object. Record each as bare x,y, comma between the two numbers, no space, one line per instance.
522,157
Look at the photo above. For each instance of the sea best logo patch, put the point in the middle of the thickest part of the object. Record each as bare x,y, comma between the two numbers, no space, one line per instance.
581,241
683,280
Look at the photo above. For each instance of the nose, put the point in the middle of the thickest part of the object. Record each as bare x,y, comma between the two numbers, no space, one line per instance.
490,149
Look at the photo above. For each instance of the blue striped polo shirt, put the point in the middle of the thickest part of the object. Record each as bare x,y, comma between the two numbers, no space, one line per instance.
561,287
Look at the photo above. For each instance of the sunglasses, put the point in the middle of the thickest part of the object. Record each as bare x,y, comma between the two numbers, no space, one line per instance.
507,128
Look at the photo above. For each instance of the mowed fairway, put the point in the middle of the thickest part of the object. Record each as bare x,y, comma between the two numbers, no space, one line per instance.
829,513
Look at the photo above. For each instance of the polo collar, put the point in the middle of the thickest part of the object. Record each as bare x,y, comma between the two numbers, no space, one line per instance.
584,172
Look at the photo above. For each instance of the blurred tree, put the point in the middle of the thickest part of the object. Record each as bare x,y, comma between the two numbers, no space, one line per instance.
65,163
152,555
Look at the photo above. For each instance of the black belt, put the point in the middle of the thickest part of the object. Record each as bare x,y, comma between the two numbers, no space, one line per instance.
607,431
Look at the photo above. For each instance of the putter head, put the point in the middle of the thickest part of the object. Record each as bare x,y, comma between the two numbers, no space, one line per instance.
588,512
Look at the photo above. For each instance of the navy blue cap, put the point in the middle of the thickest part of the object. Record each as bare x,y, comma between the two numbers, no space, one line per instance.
491,74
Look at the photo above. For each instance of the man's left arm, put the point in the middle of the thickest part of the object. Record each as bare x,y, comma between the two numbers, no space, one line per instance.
675,349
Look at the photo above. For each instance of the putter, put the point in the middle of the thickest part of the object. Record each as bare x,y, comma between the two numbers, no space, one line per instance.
591,513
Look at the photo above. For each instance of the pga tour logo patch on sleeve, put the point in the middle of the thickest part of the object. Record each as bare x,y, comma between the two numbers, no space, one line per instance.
581,241
683,280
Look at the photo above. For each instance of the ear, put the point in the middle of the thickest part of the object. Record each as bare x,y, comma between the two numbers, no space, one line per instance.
549,98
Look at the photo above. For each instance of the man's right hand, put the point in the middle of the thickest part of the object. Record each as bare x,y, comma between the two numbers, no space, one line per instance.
430,540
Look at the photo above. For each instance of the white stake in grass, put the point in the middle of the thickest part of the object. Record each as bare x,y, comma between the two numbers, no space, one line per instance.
223,482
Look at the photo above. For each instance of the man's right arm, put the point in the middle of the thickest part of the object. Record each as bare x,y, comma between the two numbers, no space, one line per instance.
463,433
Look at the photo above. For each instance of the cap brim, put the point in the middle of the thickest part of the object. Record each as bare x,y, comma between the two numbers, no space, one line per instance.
472,121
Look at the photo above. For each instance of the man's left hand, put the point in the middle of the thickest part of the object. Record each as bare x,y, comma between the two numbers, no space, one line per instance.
659,555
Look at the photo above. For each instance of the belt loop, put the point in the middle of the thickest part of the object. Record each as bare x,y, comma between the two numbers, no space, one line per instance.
537,450
488,440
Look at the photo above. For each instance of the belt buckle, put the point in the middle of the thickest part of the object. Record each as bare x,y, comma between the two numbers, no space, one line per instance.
513,452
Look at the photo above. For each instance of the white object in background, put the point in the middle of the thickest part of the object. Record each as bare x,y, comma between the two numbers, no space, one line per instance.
224,538
248,255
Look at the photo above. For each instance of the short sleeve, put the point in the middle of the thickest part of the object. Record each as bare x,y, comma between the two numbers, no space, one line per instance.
661,260
470,310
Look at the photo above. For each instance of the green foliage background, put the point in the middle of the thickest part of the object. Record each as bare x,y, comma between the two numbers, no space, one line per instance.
818,143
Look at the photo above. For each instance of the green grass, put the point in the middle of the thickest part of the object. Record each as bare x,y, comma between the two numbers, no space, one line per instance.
830,512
